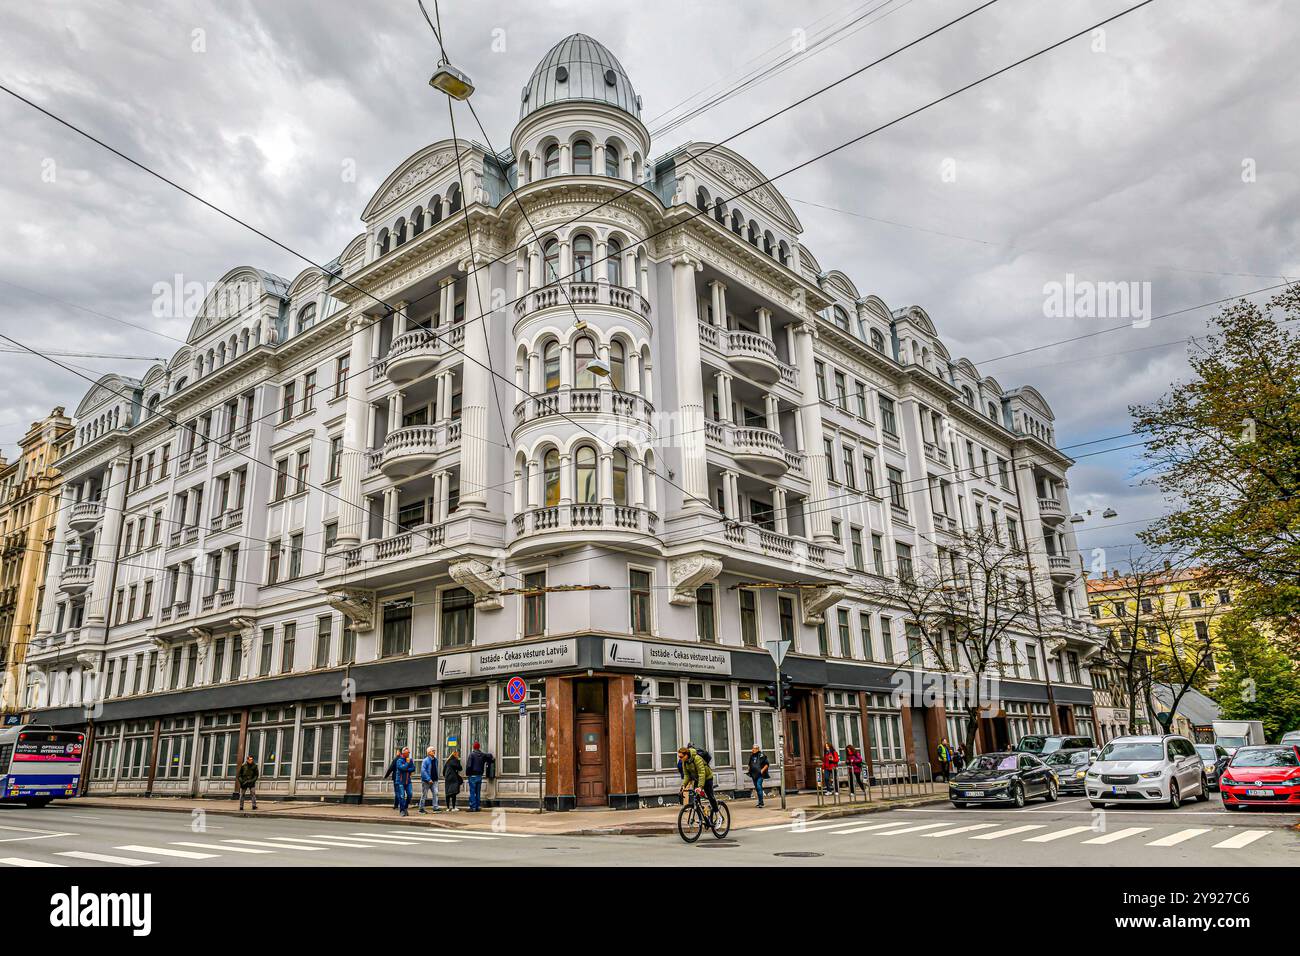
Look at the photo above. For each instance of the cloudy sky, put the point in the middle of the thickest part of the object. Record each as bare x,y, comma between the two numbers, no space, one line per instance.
1161,152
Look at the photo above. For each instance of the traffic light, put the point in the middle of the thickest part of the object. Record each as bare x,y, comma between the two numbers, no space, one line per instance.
769,695
787,693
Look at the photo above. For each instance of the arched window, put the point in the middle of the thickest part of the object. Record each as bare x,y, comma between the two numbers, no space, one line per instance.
585,472
702,199
614,262
454,198
783,252
435,207
841,318
968,396
877,341
417,221
306,318
611,160
552,167
620,476
551,479
383,241
399,232
753,233
582,158
551,261
551,365
993,411
617,364
769,243
584,353
737,222
582,256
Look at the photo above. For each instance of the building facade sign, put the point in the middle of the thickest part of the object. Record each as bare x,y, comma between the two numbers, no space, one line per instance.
667,657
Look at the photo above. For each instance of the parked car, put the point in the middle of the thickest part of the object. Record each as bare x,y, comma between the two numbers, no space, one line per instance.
1231,734
1005,777
1215,758
1147,768
1044,744
1070,767
1267,776
1290,737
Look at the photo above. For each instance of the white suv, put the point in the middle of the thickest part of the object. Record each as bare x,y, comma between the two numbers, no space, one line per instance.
1152,769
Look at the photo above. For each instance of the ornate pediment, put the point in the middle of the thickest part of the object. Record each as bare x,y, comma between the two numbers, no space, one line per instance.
415,175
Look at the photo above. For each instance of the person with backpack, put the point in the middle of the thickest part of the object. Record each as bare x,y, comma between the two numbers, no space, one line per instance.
696,772
830,760
758,770
853,758
429,781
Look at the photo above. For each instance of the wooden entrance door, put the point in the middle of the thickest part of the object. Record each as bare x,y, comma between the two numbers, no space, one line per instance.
590,739
794,750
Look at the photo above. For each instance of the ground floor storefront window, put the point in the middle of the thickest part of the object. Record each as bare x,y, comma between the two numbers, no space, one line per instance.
175,748
709,710
886,729
323,740
1083,724
403,720
658,730
757,723
843,721
523,737
270,741
464,719
219,746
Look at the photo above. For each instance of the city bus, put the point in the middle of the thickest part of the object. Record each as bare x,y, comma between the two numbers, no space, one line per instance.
39,764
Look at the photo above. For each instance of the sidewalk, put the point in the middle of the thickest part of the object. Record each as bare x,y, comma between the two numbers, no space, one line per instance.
653,820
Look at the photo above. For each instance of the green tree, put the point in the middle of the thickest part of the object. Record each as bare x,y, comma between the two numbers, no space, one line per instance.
1224,447
1261,681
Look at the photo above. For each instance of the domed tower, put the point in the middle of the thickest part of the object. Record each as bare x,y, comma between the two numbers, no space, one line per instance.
582,322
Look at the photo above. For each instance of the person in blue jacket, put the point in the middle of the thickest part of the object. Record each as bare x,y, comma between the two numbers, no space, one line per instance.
403,769
429,781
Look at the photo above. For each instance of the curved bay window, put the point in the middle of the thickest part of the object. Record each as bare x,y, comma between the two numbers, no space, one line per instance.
582,258
551,365
551,261
552,161
582,158
585,468
617,364
611,161
620,476
584,353
551,478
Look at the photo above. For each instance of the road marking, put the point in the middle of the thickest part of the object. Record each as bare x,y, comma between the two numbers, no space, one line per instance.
43,836
325,844
1116,836
973,826
164,851
796,827
1056,835
452,834
483,834
19,861
377,840
105,858
218,846
1244,838
407,840
1181,836
999,834
923,826
862,829
276,846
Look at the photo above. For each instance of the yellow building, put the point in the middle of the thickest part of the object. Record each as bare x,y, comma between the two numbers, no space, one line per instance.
29,496
1177,611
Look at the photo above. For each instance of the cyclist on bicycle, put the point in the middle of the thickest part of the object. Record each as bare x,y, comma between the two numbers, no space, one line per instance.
696,772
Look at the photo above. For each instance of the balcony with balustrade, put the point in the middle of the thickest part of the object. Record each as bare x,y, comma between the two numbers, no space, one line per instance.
416,352
77,578
750,353
537,528
580,294
409,450
1060,567
757,449
1051,510
577,402
85,516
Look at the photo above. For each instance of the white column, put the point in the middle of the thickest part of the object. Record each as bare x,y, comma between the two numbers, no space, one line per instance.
780,518
605,482
106,542
357,433
475,390
690,386
773,414
819,520
637,479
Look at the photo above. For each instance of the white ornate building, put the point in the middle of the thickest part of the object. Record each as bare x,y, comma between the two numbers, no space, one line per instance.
305,536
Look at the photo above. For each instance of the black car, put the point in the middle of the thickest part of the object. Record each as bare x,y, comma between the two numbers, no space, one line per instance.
1003,778
1215,760
1070,767
1044,744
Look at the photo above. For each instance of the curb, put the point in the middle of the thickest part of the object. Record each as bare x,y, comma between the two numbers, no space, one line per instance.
632,828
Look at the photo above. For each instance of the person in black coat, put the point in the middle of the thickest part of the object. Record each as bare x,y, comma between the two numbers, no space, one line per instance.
758,770
451,780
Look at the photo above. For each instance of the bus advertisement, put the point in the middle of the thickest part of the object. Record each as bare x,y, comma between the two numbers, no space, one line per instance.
39,764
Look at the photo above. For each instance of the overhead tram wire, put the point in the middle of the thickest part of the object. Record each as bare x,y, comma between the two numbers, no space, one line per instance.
694,213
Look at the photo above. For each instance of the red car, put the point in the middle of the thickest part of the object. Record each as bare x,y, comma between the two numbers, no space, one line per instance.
1262,777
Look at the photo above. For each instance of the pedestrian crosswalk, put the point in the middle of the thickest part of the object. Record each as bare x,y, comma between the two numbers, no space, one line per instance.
178,851
1218,838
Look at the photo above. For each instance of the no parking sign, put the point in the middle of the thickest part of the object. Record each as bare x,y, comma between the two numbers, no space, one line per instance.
517,690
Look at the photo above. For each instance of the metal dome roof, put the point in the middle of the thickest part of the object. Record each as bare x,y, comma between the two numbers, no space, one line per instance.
579,69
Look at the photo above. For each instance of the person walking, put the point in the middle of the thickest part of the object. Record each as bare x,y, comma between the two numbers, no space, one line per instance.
830,761
246,781
959,758
758,770
451,780
854,759
479,764
429,781
403,770
944,753
391,772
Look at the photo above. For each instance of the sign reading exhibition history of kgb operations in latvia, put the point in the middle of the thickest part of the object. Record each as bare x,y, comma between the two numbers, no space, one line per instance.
667,657
525,657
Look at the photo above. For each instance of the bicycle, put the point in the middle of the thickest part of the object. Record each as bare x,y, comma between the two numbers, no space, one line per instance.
694,816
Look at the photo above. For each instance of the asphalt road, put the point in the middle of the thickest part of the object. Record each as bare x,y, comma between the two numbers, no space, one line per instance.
1066,833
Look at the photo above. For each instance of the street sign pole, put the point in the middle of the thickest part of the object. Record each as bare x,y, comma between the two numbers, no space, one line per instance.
777,649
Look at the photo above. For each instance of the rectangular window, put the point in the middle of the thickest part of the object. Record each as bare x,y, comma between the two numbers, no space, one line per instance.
324,635
287,399
846,636
397,628
639,600
268,646
535,604
864,633
903,554
273,562
820,369
894,477
281,479
850,474
295,555
888,423
855,539
887,637
785,610
878,554
457,617
341,374
348,646
868,474
303,469
749,617
289,647
336,458
308,391
705,622
828,449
